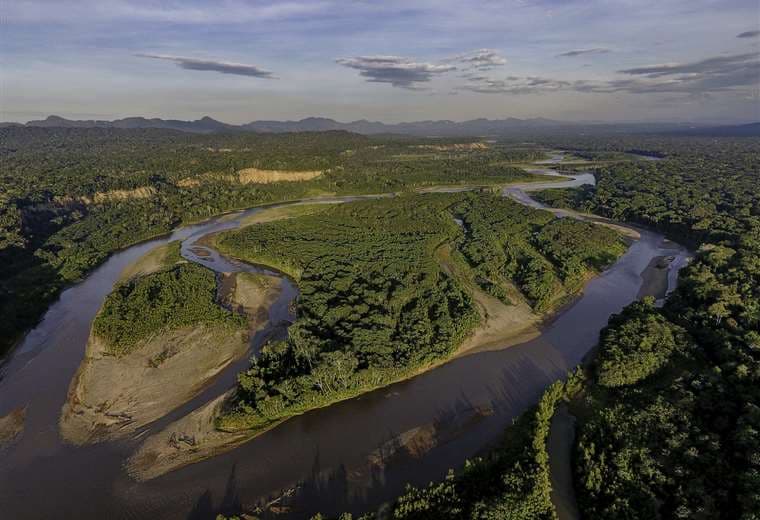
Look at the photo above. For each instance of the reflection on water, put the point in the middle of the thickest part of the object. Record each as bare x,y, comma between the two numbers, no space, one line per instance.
350,456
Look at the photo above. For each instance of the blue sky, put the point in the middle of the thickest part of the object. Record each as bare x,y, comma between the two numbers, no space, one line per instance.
390,60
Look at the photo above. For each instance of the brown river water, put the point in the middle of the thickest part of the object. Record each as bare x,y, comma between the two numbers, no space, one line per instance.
352,456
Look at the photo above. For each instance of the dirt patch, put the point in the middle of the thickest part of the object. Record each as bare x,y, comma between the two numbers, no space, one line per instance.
12,427
144,192
188,182
254,175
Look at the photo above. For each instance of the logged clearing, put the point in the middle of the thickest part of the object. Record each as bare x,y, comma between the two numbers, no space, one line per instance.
255,175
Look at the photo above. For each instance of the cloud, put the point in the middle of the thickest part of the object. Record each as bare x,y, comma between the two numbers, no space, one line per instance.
581,52
397,70
481,59
716,65
515,85
719,74
748,34
225,67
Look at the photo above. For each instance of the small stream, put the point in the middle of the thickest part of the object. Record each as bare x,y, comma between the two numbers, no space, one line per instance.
351,456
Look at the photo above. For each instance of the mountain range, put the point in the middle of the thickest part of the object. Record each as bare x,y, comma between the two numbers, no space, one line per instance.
474,127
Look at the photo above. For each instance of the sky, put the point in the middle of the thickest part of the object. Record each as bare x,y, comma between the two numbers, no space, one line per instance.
385,60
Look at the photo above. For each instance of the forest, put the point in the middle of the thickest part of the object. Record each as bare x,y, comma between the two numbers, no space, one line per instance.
668,408
71,197
375,304
671,421
182,295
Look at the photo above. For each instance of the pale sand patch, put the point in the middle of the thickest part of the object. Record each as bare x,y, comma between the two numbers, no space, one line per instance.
452,147
144,192
283,212
12,426
151,262
192,438
188,182
110,397
255,175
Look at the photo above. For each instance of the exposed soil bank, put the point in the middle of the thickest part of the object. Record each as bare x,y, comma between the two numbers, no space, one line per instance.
11,427
110,397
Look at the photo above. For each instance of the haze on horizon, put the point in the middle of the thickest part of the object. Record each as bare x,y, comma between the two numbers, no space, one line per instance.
243,60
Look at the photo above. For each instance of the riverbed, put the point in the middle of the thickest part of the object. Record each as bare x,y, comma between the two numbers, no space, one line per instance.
350,456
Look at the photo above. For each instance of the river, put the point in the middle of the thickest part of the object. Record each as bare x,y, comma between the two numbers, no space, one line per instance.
352,456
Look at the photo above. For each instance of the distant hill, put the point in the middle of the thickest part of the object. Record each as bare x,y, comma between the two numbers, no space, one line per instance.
204,125
443,128
748,130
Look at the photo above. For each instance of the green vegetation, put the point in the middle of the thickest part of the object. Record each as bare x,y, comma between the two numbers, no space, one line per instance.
670,425
375,304
636,344
71,197
547,258
669,416
140,308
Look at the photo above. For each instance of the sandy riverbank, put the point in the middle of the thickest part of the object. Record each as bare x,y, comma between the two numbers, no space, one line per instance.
195,436
111,397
